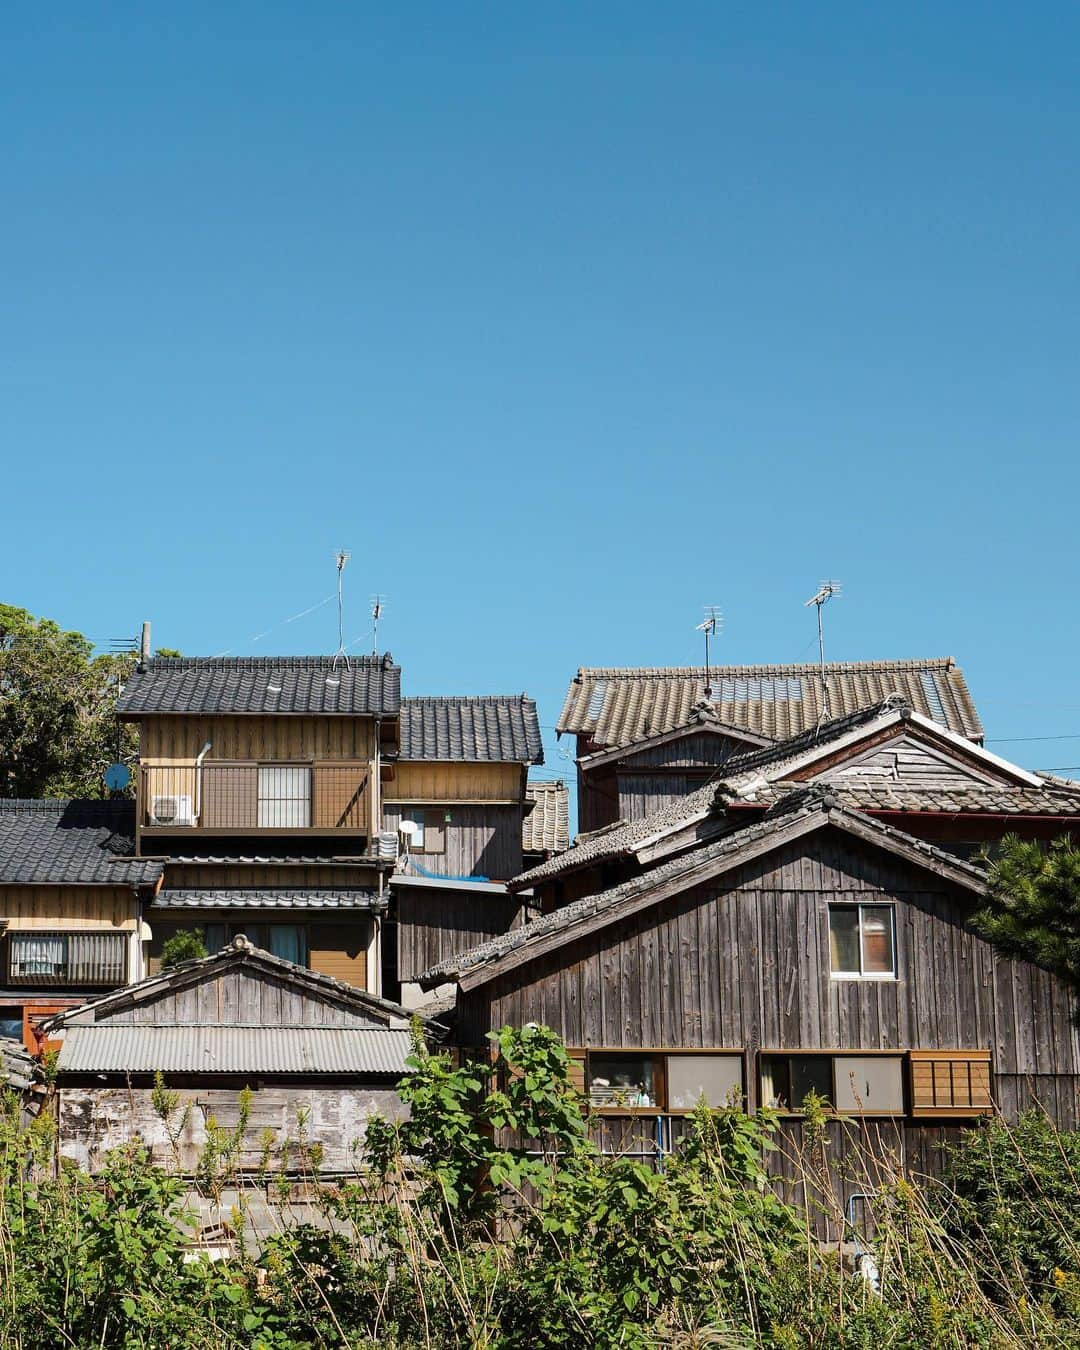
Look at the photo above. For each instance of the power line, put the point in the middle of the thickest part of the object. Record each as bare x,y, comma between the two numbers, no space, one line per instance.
1065,736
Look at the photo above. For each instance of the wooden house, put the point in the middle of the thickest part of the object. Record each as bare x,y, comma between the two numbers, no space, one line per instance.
259,789
319,1057
71,901
806,945
646,737
459,783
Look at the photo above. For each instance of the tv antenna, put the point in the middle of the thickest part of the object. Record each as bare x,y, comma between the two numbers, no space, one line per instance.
713,623
341,557
376,615
825,592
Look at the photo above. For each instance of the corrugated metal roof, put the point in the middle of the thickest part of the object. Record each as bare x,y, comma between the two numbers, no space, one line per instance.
487,728
52,841
367,685
618,706
546,828
264,898
124,1048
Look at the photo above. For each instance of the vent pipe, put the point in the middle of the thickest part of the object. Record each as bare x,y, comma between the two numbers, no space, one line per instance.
144,645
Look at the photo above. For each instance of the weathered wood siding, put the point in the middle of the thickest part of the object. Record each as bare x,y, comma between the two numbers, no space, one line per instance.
744,963
93,1120
696,750
909,762
640,794
66,908
177,740
340,950
434,924
478,840
241,996
437,781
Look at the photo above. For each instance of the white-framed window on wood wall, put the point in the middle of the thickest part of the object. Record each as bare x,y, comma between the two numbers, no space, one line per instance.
862,941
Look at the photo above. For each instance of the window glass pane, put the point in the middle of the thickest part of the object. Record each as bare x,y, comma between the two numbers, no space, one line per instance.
810,1073
284,797
775,1081
869,1083
415,841
718,1077
844,939
285,942
37,955
877,940
622,1080
11,1024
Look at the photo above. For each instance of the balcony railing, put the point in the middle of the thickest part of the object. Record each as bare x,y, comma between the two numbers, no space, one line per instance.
74,959
256,797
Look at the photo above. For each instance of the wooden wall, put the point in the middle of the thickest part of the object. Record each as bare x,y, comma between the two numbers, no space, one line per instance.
640,794
478,840
697,750
177,740
744,963
433,924
245,996
93,1120
228,876
69,907
430,781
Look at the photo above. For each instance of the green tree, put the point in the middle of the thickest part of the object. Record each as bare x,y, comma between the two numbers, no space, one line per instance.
58,729
185,945
1032,909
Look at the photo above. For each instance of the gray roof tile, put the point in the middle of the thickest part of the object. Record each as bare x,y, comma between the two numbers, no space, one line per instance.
273,897
487,727
53,840
367,686
546,828
617,705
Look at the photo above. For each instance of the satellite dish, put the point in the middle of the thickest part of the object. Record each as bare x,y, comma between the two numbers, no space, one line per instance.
408,828
117,777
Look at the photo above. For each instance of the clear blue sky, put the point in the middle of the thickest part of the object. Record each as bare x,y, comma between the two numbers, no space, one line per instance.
566,320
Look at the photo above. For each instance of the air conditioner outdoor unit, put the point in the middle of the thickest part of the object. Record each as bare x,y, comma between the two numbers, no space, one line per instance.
174,810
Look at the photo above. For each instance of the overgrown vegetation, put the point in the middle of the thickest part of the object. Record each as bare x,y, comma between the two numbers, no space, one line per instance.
186,944
1032,910
490,1218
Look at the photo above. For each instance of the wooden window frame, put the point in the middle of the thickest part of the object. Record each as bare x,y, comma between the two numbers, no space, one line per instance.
840,1052
660,1053
861,974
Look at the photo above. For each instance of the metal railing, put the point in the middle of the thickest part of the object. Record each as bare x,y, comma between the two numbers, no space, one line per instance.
74,959
257,796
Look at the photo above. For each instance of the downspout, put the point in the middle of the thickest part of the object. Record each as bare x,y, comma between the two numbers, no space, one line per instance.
375,977
198,781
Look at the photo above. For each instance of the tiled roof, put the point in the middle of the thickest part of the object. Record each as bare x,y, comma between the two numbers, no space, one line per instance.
205,1050
618,706
624,837
975,800
489,727
796,807
546,828
368,685
54,841
274,897
17,1069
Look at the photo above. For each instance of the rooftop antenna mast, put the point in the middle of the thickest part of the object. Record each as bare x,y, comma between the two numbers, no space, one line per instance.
341,557
825,592
714,622
376,615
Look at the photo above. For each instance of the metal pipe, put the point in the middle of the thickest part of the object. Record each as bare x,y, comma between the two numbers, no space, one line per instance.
198,781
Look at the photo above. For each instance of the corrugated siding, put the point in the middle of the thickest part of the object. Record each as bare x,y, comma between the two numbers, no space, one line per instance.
234,1049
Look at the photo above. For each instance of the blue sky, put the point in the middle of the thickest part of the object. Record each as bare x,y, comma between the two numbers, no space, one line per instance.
566,320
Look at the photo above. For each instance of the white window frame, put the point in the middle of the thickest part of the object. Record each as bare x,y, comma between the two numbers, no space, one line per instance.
862,974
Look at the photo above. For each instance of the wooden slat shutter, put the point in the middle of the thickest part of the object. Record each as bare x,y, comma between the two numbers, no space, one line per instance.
576,1069
950,1082
230,797
339,797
